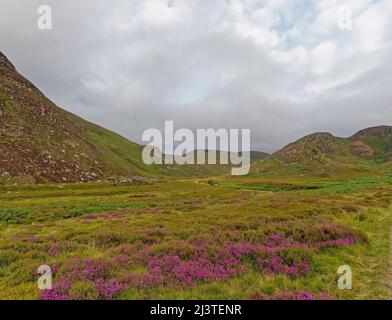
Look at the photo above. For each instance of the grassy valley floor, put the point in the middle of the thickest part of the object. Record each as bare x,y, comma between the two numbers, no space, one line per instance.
242,238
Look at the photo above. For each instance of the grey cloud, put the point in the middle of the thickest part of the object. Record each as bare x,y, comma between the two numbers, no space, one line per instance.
115,65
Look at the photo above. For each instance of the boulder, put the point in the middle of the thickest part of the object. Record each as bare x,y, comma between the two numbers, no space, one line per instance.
6,175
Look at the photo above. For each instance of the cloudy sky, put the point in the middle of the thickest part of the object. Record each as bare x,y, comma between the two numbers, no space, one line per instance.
283,68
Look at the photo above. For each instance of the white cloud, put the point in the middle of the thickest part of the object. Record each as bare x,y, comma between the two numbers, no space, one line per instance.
322,58
280,67
372,26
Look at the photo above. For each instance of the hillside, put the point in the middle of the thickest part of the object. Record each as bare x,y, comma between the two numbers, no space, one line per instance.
324,154
320,147
372,144
41,142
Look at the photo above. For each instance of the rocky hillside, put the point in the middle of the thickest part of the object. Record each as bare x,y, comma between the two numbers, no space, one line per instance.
372,144
41,142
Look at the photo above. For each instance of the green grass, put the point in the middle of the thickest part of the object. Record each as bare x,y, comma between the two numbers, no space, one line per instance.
94,221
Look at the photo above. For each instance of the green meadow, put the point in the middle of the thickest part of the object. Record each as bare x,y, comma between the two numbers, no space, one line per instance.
224,238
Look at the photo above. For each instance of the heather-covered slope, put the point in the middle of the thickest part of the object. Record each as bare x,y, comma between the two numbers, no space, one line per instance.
40,141
315,147
324,154
247,239
372,144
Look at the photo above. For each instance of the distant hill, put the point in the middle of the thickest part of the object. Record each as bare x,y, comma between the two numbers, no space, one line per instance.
323,152
320,147
41,142
257,156
373,144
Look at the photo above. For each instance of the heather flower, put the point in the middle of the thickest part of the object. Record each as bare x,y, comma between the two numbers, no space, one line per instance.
204,263
275,265
336,243
108,289
54,250
274,240
122,260
202,267
77,271
59,290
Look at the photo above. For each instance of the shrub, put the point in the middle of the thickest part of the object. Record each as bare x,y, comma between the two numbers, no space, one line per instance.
83,290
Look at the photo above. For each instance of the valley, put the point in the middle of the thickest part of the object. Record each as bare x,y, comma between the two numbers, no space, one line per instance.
79,199
237,238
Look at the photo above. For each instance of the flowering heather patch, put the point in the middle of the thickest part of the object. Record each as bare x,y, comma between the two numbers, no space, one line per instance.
337,243
201,268
54,250
274,239
108,289
92,272
90,216
122,260
220,265
206,263
274,242
87,269
274,264
59,290
277,242
117,215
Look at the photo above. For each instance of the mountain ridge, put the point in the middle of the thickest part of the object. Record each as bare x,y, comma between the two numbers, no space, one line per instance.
373,144
41,142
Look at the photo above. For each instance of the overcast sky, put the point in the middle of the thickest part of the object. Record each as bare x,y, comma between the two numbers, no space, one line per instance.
282,68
